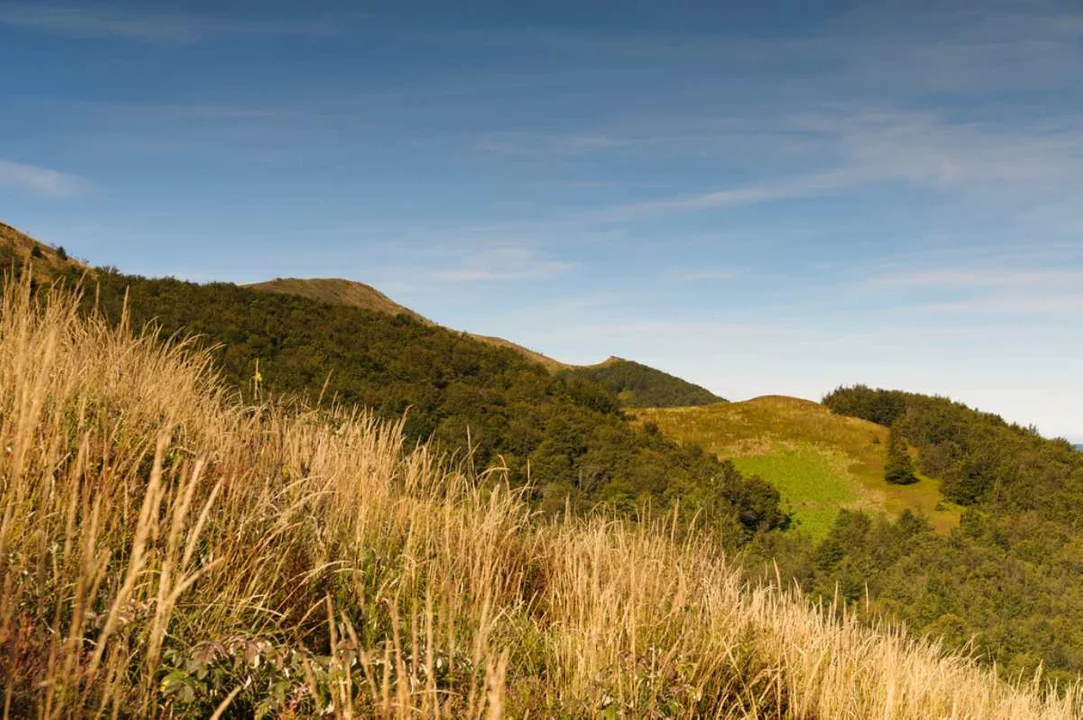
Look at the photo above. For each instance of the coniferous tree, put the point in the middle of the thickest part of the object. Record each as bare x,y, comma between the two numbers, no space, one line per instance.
899,468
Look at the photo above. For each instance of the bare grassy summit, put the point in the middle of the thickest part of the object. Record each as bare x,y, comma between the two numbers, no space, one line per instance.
171,552
337,292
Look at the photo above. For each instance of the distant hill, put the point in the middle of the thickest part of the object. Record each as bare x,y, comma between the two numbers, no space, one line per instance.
819,461
639,386
348,292
635,385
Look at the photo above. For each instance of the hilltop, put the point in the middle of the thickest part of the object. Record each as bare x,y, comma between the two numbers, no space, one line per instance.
985,551
820,462
639,386
339,292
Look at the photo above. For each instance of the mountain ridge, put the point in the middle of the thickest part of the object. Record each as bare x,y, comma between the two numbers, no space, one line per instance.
635,384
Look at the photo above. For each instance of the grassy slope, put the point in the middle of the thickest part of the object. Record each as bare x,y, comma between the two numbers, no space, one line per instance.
169,552
16,248
819,461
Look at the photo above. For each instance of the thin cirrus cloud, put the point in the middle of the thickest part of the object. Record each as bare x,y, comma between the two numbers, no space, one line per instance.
520,263
103,20
982,289
985,277
1012,304
40,180
520,143
483,263
924,150
718,274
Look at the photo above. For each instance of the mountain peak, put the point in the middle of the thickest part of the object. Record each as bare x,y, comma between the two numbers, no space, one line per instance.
338,291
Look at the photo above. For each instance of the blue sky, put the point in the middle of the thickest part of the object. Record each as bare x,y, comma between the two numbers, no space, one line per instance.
770,199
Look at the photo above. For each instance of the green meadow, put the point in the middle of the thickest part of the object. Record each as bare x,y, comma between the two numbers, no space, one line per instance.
820,462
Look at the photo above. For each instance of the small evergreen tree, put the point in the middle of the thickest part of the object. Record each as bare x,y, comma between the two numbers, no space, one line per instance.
899,468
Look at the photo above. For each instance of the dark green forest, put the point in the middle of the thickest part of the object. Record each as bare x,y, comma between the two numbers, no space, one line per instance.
637,385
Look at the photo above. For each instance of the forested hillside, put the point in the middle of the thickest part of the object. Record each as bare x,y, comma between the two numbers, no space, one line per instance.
566,435
982,458
1009,581
639,386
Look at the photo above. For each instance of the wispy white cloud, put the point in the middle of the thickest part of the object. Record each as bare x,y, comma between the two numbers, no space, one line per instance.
760,192
105,20
998,277
922,149
505,263
983,286
695,275
41,181
1012,304
524,143
198,111
931,150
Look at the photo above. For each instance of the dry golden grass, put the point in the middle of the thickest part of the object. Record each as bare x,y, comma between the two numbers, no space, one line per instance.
166,552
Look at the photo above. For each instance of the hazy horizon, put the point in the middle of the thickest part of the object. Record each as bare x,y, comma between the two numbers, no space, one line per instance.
770,200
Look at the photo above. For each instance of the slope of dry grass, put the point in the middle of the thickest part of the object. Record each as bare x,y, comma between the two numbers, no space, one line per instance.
43,259
167,552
